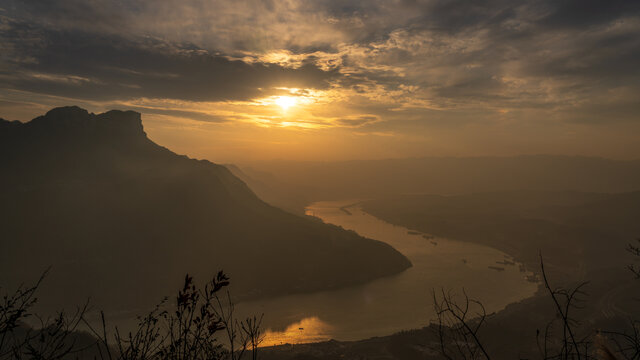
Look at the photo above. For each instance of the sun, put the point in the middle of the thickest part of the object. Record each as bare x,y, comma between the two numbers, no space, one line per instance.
285,102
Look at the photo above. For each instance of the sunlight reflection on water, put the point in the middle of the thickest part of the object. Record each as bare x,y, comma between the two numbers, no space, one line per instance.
310,329
394,303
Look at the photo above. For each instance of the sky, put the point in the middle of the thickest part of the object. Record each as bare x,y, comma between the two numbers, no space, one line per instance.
250,80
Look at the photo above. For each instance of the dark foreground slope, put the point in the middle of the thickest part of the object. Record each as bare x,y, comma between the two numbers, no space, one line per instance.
119,217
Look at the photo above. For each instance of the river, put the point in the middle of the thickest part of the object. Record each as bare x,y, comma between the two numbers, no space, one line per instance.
400,302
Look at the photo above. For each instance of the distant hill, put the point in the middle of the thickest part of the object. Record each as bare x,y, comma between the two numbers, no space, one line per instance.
290,197
441,175
578,233
120,218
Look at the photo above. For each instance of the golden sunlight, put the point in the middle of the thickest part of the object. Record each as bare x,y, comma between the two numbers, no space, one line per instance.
310,329
285,102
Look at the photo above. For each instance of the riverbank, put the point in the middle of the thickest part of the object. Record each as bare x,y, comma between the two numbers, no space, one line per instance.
578,234
388,305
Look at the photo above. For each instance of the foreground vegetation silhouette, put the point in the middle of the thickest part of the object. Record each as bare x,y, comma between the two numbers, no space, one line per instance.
459,321
200,324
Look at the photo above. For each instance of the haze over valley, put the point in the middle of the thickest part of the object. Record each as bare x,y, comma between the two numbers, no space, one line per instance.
304,180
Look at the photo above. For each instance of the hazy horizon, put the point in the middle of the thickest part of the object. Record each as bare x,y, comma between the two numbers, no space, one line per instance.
174,143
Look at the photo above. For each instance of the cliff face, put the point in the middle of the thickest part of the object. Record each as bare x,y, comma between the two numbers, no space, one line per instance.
67,125
122,219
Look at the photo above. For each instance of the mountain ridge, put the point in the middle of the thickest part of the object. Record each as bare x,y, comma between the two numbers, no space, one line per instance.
117,213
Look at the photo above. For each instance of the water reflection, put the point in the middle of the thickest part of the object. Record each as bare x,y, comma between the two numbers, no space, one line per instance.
310,329
394,303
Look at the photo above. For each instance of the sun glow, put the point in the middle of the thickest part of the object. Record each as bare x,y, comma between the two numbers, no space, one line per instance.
285,102
310,329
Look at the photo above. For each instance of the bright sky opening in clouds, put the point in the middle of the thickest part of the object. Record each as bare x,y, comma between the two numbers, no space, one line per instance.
327,80
285,102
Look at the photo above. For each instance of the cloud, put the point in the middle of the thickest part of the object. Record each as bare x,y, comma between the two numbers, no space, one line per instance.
84,65
357,120
487,56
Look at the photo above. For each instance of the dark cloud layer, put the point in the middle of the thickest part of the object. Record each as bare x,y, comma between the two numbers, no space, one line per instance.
95,66
577,57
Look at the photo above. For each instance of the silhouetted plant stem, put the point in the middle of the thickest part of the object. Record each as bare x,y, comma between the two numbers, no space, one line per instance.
563,314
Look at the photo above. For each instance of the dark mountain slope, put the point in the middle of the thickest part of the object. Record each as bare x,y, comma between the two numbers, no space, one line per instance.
293,198
116,214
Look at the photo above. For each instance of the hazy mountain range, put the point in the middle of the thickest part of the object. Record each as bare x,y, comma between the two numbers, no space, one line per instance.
114,213
310,181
